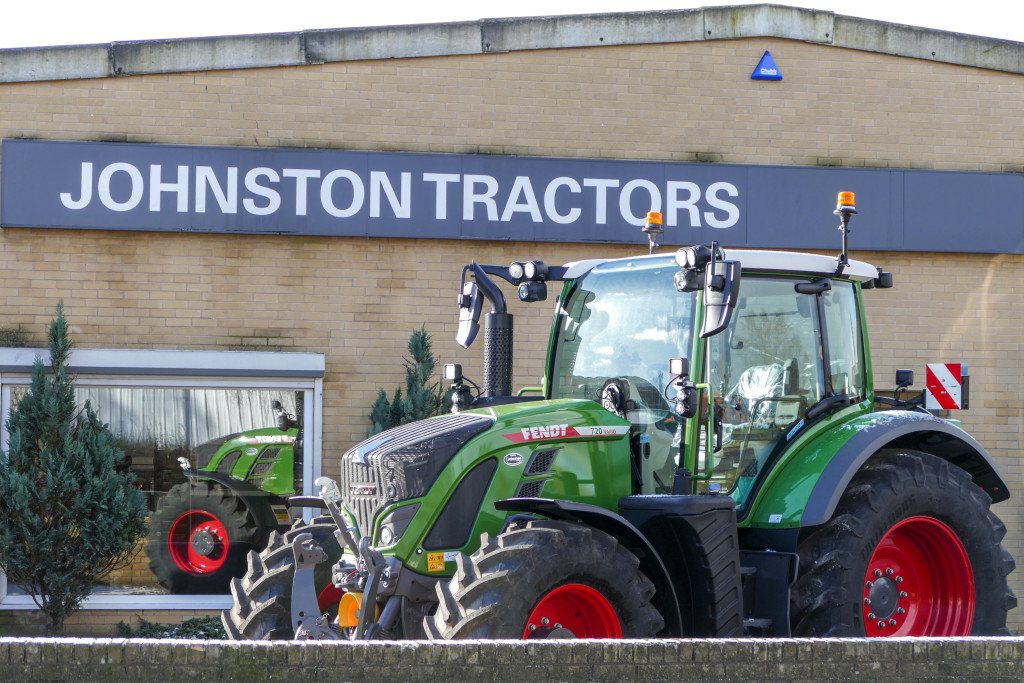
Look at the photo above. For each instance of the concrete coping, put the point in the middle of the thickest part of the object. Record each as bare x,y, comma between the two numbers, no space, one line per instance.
486,36
740,660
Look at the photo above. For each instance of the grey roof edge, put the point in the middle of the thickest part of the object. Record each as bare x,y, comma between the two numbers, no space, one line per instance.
506,35
262,364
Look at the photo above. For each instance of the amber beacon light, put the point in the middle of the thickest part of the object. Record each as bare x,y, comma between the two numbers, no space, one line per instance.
845,207
846,203
652,228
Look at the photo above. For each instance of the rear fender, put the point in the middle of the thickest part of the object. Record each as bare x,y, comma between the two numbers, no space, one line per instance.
790,500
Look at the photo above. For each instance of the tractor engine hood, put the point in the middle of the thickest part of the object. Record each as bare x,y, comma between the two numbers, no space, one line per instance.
402,463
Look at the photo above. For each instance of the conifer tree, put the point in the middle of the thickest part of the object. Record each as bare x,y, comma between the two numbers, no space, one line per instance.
69,514
422,398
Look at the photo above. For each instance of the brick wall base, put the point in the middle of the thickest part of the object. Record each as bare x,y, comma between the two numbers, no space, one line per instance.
989,659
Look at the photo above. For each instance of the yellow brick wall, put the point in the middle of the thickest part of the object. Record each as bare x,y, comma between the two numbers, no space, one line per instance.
93,623
356,300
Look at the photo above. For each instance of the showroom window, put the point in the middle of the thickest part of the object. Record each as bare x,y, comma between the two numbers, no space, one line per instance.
251,418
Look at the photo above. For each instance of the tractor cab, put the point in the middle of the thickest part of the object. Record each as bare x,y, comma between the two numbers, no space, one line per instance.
619,325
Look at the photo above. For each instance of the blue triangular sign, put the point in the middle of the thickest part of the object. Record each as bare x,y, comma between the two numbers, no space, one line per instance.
766,69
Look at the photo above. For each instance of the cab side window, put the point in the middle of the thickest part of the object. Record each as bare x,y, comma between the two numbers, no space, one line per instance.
845,346
765,370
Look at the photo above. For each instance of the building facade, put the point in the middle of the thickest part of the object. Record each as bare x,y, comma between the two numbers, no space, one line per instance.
927,127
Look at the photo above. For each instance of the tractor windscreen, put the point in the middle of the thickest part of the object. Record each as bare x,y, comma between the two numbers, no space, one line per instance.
622,320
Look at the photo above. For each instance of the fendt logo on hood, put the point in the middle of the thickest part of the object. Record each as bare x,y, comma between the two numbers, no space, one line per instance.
276,438
547,432
362,489
544,432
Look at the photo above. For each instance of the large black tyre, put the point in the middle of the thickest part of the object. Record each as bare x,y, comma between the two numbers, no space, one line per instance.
199,536
580,577
926,521
263,597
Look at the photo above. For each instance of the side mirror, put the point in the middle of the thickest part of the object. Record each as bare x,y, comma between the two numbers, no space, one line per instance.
721,292
471,302
284,420
904,378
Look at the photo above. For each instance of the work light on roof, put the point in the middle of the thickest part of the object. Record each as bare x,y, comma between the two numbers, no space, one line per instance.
535,270
693,257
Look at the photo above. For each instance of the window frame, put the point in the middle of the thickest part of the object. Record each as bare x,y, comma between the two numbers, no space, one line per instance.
297,371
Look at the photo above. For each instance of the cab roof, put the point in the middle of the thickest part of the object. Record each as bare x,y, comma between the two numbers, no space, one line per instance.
761,261
795,262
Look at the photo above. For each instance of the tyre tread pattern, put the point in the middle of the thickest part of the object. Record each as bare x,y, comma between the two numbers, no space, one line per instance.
263,596
894,484
493,592
243,532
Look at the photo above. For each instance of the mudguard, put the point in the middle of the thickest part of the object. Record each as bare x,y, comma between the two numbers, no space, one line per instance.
259,503
618,527
806,490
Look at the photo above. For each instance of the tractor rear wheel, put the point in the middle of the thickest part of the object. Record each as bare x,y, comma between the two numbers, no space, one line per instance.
263,597
547,580
199,536
912,550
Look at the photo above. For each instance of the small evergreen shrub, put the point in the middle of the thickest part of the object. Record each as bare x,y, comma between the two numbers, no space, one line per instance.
422,398
69,509
196,628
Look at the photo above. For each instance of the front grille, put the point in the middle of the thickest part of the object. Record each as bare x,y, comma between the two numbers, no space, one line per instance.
202,455
531,489
402,463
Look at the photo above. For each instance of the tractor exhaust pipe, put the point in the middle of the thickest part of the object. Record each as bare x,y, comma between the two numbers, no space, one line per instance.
497,330
497,354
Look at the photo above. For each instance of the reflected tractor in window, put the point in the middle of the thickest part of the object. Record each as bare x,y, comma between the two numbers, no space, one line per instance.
706,456
234,497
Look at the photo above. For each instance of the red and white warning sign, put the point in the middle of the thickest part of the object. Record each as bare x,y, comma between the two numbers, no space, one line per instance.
946,386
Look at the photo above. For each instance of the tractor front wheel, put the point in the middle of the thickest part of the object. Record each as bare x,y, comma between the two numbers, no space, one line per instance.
263,597
547,580
199,536
912,550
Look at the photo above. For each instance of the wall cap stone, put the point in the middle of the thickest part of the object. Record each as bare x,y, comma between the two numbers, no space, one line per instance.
485,36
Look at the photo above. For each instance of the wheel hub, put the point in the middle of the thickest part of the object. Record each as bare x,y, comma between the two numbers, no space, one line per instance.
198,542
883,597
204,541
550,632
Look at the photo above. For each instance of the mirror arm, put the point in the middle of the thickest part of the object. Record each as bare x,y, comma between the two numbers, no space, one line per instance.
489,289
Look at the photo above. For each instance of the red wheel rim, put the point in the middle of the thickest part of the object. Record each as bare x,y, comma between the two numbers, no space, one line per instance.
573,610
919,582
329,598
198,542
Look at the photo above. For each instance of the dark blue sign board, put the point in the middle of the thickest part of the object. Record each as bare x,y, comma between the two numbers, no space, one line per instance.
116,186
766,70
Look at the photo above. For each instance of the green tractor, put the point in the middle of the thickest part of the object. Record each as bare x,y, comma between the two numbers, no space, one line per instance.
702,459
235,495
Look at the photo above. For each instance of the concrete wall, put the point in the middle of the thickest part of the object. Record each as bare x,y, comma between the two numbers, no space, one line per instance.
356,300
482,662
507,35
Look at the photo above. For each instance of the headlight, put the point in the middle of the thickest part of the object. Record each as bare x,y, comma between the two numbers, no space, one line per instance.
395,523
